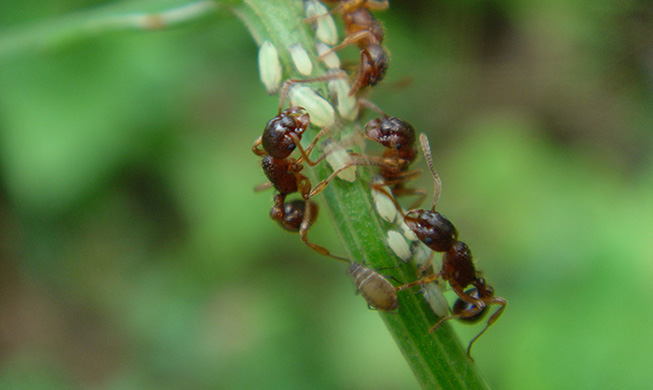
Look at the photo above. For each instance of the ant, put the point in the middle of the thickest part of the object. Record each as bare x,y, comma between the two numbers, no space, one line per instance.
282,135
398,137
440,235
364,30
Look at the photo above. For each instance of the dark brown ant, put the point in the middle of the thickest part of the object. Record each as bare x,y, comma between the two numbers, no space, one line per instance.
379,293
365,31
440,235
282,135
398,137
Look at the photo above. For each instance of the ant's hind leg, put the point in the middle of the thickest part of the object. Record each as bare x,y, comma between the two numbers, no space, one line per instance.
309,209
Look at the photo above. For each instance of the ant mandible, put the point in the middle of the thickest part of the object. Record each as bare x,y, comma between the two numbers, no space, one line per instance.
364,30
440,235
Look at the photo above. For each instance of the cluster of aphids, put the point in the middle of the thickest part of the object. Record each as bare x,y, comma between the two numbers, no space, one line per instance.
419,233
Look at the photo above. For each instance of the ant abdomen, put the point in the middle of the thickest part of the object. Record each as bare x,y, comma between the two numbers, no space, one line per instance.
277,140
467,312
433,229
374,288
292,215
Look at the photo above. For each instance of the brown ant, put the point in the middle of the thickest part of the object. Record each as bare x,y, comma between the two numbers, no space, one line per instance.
440,235
398,137
364,30
282,135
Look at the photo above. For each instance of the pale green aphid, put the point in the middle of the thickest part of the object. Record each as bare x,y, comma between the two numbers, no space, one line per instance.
269,67
325,26
338,157
384,206
300,58
321,112
330,60
398,244
347,105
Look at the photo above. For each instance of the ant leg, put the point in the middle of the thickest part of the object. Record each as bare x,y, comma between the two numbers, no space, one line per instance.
309,149
490,321
356,162
419,282
285,88
350,40
365,103
303,231
255,148
263,186
442,321
377,5
361,75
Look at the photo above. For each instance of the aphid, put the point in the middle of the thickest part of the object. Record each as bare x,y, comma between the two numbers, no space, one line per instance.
337,157
328,57
458,269
282,135
384,206
365,31
399,246
346,104
300,58
269,67
325,26
374,288
321,111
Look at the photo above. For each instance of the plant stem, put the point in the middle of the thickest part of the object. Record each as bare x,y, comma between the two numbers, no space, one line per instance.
437,360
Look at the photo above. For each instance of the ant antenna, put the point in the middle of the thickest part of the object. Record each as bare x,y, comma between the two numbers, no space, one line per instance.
423,139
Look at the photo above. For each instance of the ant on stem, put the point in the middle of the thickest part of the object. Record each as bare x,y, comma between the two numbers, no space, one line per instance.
398,138
364,30
458,268
281,136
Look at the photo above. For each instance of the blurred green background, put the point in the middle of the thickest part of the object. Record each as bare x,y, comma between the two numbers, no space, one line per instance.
135,254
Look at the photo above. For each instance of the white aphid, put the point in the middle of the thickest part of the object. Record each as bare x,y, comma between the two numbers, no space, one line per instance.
301,59
399,246
321,112
269,67
432,291
330,60
409,234
338,157
384,206
434,297
325,26
347,105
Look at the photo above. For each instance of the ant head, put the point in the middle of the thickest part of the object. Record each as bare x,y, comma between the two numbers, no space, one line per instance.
432,228
391,132
469,312
277,139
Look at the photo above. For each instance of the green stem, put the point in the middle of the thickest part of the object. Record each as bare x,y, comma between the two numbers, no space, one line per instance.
437,360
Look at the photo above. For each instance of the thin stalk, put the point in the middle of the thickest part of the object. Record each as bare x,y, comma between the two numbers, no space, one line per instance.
438,360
